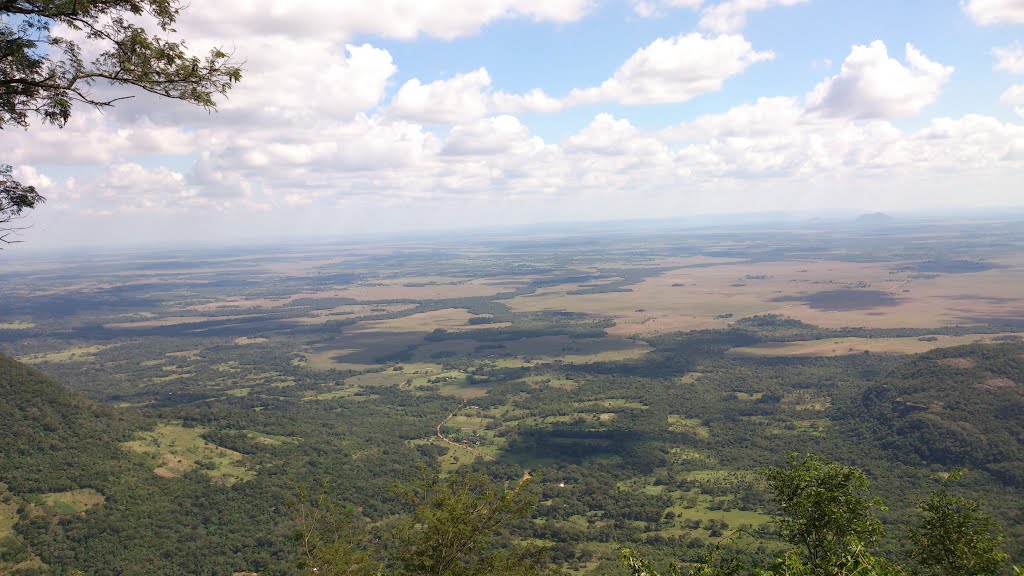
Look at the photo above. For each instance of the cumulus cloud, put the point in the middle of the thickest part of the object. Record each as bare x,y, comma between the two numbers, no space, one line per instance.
461,97
535,100
650,8
489,136
674,70
31,176
1014,98
290,80
345,19
988,12
873,85
93,138
722,17
731,15
319,122
1010,58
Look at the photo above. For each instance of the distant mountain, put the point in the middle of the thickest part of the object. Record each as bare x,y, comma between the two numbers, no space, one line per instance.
874,219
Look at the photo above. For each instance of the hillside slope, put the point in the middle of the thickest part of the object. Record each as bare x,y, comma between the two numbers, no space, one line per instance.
71,497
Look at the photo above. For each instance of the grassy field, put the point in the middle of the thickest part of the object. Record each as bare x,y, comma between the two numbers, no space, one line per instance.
846,346
690,298
177,450
76,354
688,425
8,517
73,502
172,321
451,319
16,325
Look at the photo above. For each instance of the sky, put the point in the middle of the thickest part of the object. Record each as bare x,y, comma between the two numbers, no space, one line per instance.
357,117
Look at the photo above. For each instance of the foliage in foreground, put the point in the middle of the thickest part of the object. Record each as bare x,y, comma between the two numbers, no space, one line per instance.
452,531
43,73
828,520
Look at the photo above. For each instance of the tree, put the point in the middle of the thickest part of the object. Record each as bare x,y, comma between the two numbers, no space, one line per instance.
830,520
454,525
331,537
954,538
452,531
826,513
15,198
43,71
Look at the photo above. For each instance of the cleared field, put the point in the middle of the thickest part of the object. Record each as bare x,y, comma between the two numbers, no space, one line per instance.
16,325
77,354
846,346
349,312
448,319
8,517
826,293
173,321
178,450
328,360
693,426
428,288
73,502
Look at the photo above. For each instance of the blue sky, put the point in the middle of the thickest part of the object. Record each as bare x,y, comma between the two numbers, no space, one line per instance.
358,117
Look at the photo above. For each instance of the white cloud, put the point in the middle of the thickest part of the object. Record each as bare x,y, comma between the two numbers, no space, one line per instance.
608,136
535,100
674,70
731,15
460,98
464,98
1010,58
651,8
1014,98
489,136
873,85
30,176
988,12
345,19
289,80
93,138
797,147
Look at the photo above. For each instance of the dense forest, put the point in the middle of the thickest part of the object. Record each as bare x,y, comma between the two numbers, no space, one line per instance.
630,478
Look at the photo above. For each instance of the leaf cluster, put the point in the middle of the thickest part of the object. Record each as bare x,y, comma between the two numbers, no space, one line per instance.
43,70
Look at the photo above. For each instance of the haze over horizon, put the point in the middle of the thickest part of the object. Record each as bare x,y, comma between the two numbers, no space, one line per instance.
354,118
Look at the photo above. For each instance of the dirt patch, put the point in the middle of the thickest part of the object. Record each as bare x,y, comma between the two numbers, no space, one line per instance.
172,466
951,266
964,363
997,384
843,300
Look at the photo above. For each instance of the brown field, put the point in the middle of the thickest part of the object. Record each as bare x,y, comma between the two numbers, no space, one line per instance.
350,312
845,346
828,294
16,325
448,319
172,321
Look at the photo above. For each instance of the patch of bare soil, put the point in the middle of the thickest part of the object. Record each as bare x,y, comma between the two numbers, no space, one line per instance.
965,363
997,384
